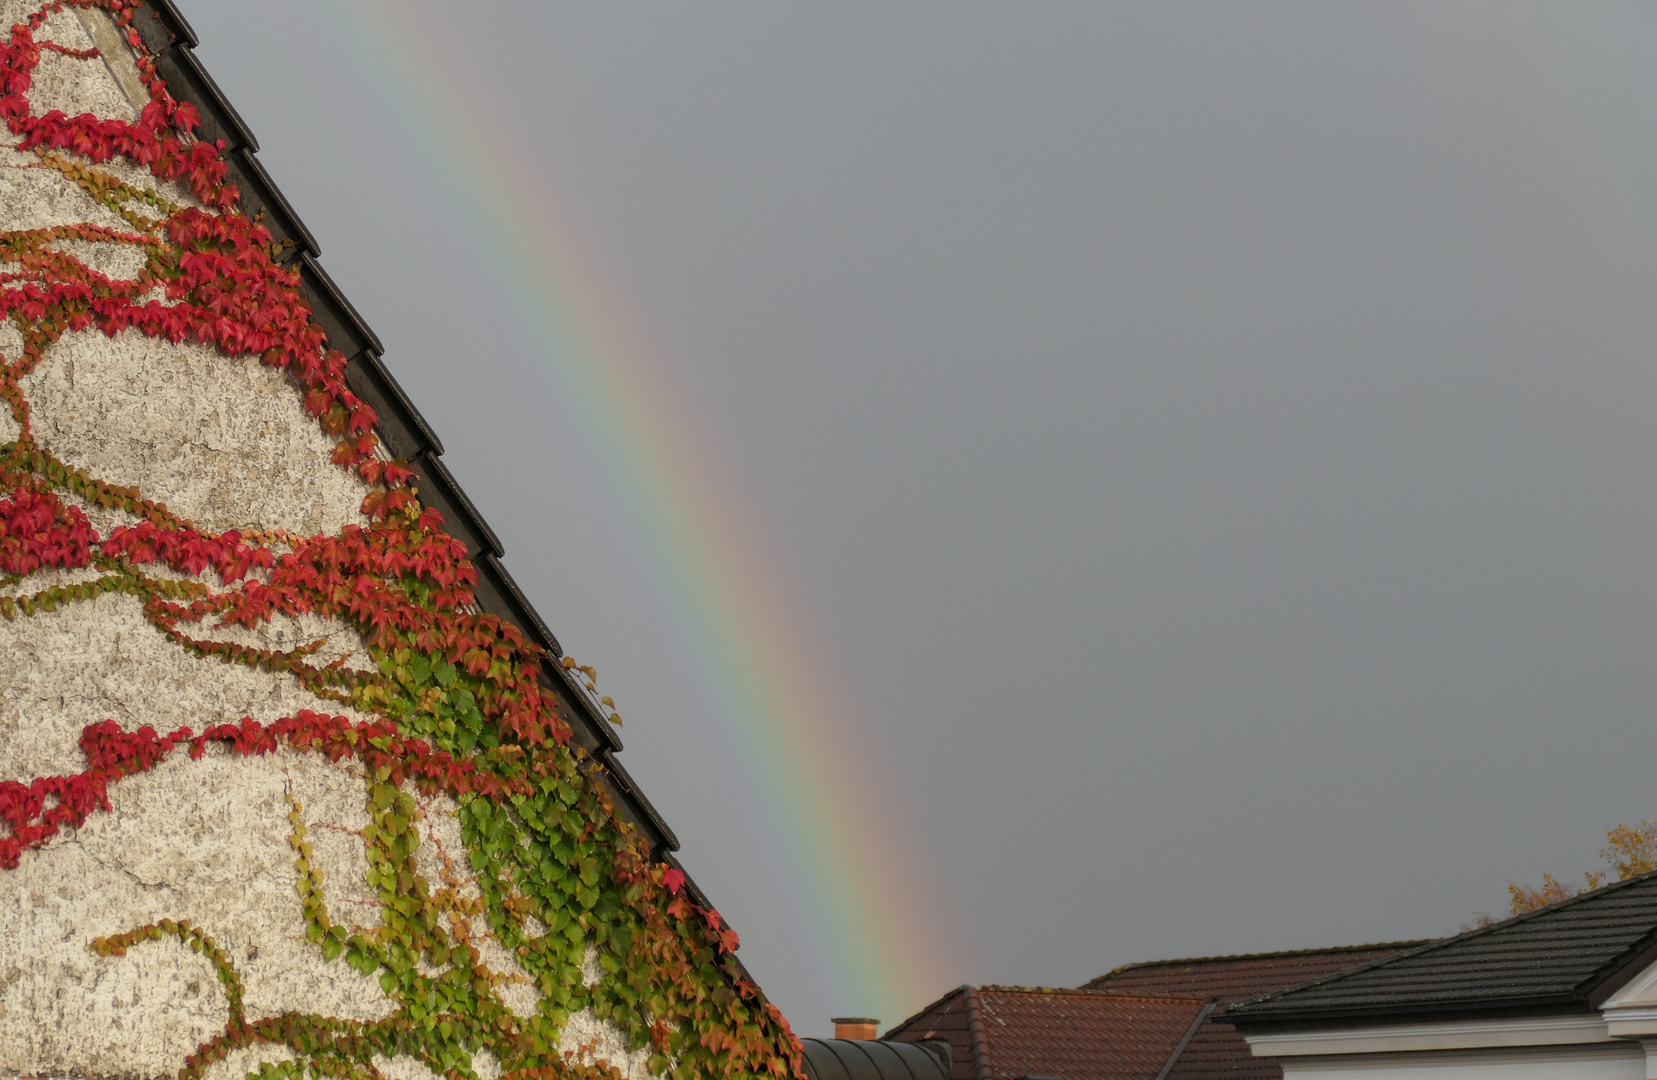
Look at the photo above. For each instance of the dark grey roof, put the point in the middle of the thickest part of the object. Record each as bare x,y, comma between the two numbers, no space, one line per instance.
875,1059
1557,958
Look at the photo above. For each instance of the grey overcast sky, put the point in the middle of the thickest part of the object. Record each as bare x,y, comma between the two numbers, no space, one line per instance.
1214,445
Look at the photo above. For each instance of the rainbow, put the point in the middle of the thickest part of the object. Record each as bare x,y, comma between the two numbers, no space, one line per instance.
876,928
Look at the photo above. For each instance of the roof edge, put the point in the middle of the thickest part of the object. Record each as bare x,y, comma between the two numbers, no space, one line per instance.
925,1010
1185,1040
1621,975
1078,991
1066,991
1577,993
1335,1016
1282,954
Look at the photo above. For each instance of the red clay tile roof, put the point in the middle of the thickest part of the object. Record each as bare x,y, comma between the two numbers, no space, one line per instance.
1218,1052
947,1019
1006,1032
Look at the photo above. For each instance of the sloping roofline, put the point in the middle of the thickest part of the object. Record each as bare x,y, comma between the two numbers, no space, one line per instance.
1138,965
1056,991
978,1040
1082,991
1601,982
1220,979
170,39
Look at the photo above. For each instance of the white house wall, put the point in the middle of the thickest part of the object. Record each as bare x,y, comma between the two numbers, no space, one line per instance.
1604,1061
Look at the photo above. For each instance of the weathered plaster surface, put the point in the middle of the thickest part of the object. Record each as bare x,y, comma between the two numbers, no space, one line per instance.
102,660
75,85
404,1067
335,814
283,633
119,261
238,1063
225,442
201,841
33,196
52,578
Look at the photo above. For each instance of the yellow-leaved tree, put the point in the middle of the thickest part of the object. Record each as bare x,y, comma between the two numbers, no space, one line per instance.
1630,850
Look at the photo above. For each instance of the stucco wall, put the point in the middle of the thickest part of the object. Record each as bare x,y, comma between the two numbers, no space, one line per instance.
1594,1061
227,444
223,442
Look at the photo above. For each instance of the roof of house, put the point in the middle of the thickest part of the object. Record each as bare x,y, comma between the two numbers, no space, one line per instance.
1232,978
1216,1051
872,1059
1007,1032
1555,959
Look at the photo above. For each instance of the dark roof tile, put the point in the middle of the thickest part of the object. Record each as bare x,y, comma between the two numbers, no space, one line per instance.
1556,956
161,25
402,429
437,488
188,81
1232,978
339,320
264,201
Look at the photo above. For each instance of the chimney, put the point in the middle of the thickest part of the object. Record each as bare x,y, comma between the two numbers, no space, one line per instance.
856,1027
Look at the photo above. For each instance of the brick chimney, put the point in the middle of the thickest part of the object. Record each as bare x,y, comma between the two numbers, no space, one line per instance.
856,1027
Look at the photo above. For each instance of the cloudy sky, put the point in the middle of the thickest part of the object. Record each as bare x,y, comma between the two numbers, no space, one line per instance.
1183,477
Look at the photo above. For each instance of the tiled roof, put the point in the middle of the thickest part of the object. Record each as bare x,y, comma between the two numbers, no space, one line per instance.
946,1019
1217,1051
1006,1032
1553,958
1232,978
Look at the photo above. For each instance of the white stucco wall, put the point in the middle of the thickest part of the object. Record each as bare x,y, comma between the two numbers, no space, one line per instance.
1604,1061
102,660
1573,1045
226,443
201,841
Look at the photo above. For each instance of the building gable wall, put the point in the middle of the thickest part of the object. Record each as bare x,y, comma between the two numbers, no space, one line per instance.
274,792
